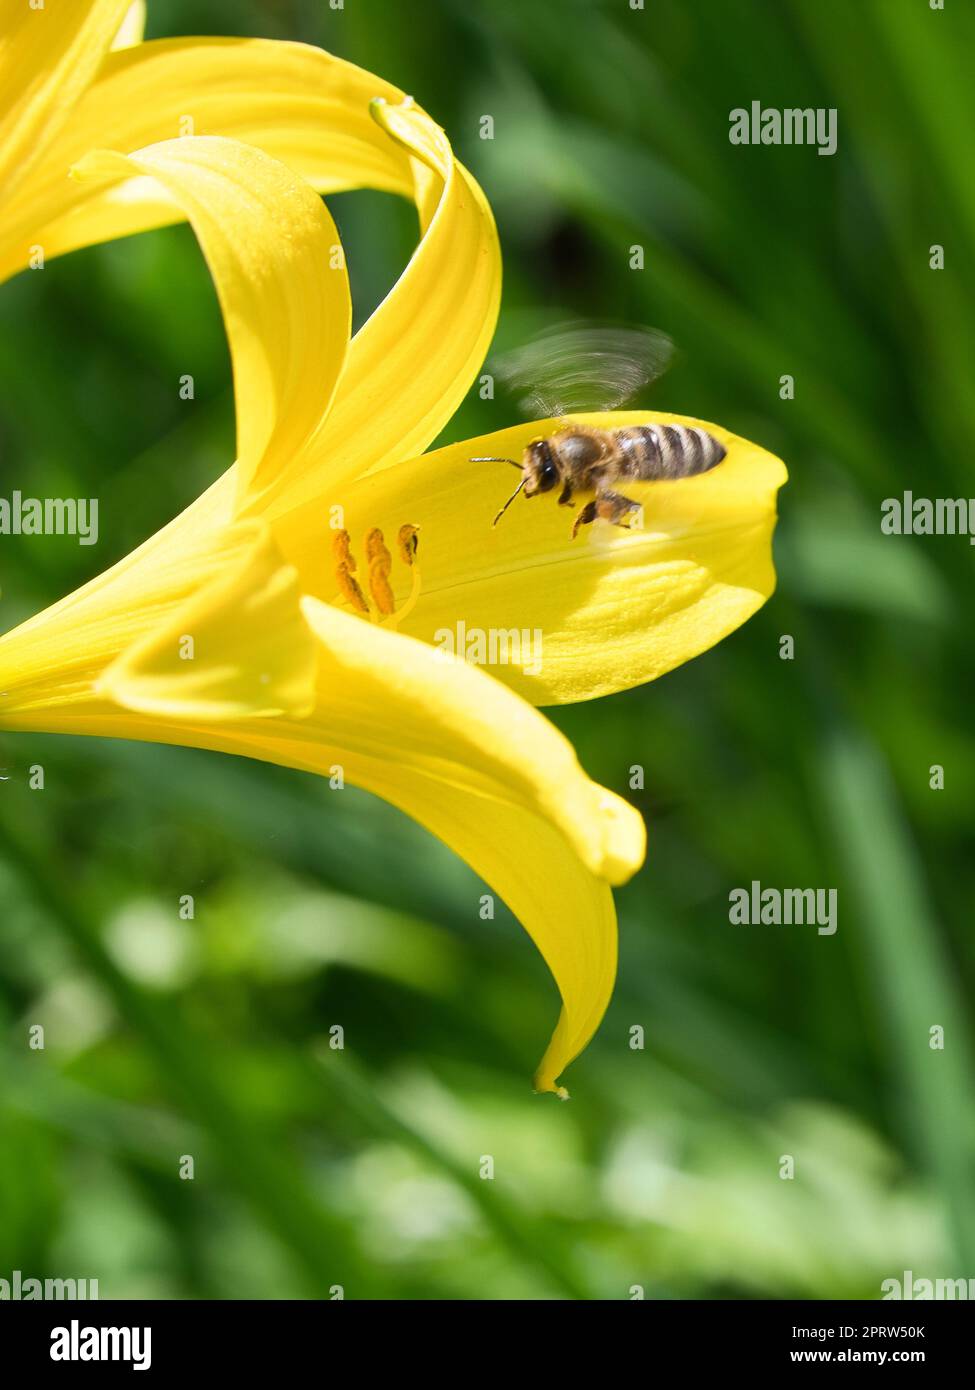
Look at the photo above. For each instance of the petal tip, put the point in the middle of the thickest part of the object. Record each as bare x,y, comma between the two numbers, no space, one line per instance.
100,164
624,846
411,127
545,1085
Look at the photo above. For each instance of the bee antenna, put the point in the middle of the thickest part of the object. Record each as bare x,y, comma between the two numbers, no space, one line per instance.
495,459
510,499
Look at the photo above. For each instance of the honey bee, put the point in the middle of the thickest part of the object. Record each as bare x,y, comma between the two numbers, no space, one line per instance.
580,367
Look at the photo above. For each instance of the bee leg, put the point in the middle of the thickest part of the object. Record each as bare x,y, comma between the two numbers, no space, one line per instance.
587,515
614,507
565,499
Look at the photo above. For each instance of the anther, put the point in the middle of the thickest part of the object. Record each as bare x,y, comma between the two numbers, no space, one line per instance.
345,564
380,564
409,542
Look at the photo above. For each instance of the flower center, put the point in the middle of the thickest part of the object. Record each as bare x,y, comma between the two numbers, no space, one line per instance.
379,566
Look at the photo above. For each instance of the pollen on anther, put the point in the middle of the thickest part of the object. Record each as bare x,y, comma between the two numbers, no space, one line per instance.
343,572
380,565
409,542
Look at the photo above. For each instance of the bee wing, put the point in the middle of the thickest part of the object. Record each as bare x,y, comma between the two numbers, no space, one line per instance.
583,366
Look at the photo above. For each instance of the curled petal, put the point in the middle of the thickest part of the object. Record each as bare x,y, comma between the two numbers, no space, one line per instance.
275,257
412,363
437,738
296,103
493,779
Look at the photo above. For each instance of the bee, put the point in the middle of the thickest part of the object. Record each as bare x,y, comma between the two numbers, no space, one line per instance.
580,367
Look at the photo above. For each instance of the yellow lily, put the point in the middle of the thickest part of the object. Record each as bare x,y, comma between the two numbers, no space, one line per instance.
278,616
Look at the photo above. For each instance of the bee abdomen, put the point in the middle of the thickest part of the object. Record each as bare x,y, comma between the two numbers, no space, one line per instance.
658,452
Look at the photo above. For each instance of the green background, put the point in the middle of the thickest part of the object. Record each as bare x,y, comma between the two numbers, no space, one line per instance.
360,1168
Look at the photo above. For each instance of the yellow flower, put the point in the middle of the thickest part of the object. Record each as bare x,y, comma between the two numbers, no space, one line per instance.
278,616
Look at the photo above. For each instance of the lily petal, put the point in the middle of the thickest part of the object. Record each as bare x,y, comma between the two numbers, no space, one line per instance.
238,648
613,608
449,722
47,58
296,103
487,774
441,740
275,257
412,363
493,779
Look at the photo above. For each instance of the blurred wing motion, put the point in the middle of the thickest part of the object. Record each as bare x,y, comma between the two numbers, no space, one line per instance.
583,366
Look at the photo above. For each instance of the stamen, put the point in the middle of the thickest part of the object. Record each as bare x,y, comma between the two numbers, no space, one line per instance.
343,572
380,564
341,549
409,542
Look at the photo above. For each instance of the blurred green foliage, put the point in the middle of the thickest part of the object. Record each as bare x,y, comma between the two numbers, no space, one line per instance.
360,1168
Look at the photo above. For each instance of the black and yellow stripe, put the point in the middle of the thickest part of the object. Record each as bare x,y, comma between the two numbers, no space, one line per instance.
656,452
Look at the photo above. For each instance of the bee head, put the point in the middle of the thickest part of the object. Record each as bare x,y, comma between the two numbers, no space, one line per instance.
540,468
539,471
